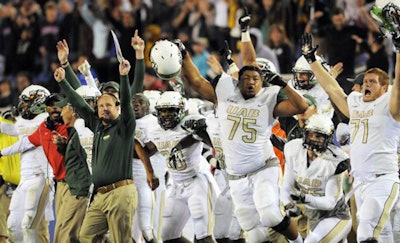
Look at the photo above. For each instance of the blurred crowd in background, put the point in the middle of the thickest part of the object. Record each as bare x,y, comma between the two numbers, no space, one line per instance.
30,30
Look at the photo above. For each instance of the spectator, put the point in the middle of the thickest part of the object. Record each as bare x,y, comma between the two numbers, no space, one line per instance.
281,46
341,47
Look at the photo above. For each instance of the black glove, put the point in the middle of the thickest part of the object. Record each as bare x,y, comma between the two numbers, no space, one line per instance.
307,47
274,78
194,126
298,197
244,21
226,53
181,46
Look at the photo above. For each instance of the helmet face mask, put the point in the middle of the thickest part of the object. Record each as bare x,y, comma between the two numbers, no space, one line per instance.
303,79
32,101
318,133
170,109
302,69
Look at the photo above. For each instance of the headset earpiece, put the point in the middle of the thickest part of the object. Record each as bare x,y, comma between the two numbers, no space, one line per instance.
117,103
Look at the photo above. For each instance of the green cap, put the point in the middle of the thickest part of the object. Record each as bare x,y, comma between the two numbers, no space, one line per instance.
109,84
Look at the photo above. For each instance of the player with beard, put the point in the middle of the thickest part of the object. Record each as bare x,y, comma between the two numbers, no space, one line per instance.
29,200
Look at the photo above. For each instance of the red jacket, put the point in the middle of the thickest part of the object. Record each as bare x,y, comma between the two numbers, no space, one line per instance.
43,137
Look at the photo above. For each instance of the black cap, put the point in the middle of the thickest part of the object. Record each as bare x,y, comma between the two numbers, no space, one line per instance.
52,99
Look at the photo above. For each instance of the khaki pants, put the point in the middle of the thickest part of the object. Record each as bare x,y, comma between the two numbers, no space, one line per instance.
70,211
4,211
112,211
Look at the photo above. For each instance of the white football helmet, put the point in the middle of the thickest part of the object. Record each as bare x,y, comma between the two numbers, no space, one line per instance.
166,59
152,96
35,96
88,92
266,64
321,124
303,67
170,109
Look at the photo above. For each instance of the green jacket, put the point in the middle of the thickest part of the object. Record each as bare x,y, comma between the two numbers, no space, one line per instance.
112,146
77,170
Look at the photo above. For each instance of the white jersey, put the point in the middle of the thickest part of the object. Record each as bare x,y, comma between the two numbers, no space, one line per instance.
318,181
33,161
324,105
188,165
86,140
214,132
374,136
145,126
245,126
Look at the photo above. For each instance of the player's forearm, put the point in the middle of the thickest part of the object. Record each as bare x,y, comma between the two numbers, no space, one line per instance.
331,87
395,93
298,102
144,157
192,75
71,77
8,128
19,147
137,86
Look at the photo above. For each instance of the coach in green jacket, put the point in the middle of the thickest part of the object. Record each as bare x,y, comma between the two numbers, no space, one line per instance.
115,200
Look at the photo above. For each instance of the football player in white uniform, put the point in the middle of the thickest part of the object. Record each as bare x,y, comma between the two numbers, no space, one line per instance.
180,139
149,208
246,113
374,127
313,177
30,199
227,228
304,82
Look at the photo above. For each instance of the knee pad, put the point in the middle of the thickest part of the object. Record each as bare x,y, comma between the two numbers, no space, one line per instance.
196,211
283,225
248,218
257,235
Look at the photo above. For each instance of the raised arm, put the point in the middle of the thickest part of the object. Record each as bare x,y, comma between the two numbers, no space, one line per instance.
327,82
192,75
138,45
62,53
84,110
127,114
247,49
394,103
